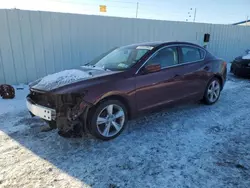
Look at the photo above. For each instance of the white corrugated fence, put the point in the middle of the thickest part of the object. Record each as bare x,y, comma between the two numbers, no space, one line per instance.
34,44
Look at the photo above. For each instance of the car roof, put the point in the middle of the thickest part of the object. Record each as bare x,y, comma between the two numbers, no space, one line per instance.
159,43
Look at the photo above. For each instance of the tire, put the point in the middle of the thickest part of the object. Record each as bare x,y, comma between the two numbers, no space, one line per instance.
212,92
7,91
52,124
111,122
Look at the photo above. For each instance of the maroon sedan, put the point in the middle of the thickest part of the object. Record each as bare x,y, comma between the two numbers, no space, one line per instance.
102,95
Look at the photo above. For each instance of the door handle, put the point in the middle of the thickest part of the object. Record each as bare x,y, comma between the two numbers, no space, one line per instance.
206,68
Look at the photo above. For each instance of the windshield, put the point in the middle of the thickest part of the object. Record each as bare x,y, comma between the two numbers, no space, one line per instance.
120,58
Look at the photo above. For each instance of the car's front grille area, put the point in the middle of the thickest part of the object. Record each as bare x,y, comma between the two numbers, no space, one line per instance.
43,99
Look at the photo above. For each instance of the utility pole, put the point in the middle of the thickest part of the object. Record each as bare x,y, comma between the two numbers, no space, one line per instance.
137,7
190,14
194,15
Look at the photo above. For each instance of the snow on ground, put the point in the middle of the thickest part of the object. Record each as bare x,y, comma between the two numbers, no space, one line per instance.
187,146
17,103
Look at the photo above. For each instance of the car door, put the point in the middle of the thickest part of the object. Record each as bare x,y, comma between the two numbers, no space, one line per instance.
191,72
158,88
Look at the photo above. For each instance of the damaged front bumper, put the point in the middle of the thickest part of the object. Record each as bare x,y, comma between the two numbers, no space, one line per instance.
45,113
68,114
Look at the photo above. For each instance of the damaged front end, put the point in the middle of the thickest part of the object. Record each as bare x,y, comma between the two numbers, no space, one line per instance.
68,111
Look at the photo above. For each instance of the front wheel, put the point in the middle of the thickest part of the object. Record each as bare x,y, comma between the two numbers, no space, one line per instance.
212,92
52,124
108,120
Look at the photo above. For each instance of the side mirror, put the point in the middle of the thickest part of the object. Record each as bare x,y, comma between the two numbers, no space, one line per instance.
151,68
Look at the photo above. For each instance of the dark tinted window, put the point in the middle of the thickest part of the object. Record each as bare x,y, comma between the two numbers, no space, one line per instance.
165,57
190,54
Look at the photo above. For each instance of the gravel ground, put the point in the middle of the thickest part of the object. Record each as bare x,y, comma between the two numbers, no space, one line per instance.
188,146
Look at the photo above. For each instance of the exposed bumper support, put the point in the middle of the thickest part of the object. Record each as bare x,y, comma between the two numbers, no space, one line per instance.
41,111
70,117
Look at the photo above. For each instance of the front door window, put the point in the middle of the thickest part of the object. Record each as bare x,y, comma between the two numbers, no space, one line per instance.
166,57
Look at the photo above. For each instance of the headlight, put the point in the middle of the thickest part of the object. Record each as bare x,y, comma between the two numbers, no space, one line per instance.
248,64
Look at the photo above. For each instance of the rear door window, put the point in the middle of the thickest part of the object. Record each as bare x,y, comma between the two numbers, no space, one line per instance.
191,54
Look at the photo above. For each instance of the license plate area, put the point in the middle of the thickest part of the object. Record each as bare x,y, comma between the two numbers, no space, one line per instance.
41,111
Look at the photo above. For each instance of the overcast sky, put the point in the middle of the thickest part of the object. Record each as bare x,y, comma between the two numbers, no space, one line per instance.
208,11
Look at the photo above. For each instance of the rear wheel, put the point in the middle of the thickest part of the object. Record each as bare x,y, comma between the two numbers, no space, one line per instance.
212,92
108,120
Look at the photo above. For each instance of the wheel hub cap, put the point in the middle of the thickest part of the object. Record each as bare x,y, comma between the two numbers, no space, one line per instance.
110,120
213,91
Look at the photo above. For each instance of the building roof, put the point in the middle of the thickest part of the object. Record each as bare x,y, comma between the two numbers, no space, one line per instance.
242,22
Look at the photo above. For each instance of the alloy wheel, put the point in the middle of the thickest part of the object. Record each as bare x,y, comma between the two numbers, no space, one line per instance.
213,91
110,120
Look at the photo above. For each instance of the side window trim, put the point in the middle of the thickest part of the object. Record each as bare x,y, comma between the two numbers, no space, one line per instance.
179,55
178,46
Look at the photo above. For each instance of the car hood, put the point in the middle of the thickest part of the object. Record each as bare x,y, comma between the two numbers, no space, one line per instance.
67,77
